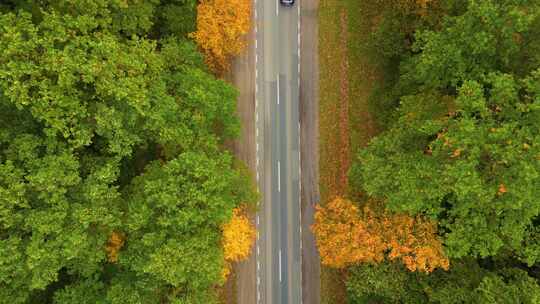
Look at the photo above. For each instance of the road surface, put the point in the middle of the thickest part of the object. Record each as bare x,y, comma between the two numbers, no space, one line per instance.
277,80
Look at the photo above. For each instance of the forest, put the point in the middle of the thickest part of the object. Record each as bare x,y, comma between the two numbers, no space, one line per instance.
116,185
443,204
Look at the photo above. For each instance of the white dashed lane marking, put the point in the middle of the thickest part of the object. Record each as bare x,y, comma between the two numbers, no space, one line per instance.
257,145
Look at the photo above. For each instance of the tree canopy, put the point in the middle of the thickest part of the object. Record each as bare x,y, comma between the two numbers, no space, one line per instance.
114,183
466,282
347,236
221,29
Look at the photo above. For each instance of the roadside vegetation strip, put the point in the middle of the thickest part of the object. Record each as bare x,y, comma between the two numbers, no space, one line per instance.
331,56
363,74
345,122
332,81
223,35
345,155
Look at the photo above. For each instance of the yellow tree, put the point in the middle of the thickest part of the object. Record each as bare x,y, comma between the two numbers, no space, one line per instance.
343,238
221,27
238,238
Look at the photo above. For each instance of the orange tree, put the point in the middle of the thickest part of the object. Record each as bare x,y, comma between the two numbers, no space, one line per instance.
221,26
114,244
347,235
342,237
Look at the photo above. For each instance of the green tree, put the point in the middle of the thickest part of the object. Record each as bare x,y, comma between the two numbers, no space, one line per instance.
466,282
177,17
174,212
384,283
510,286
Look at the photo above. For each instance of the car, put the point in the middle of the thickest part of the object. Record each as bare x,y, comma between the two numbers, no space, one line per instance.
287,2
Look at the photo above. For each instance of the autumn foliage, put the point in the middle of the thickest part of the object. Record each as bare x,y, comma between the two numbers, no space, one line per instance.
347,235
238,237
114,244
221,26
343,238
414,241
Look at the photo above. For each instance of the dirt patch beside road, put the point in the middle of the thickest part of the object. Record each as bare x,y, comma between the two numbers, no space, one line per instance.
333,123
241,288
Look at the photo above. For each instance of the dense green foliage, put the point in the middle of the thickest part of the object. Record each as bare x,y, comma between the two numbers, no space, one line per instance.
111,122
463,148
466,282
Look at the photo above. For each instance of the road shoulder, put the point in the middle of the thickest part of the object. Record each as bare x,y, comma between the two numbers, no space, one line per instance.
309,147
241,288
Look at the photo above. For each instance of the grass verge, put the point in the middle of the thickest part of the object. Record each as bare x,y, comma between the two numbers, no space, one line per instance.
228,293
346,82
331,55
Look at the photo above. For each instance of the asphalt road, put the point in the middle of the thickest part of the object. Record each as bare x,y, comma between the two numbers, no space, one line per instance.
278,247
